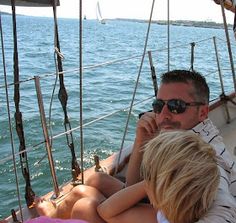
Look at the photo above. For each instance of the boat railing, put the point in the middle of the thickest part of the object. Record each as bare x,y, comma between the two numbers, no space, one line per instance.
111,62
108,63
105,113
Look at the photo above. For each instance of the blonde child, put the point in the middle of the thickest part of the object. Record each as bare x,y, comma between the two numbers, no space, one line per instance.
181,178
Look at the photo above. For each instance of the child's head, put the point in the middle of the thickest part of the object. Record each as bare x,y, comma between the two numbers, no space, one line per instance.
181,173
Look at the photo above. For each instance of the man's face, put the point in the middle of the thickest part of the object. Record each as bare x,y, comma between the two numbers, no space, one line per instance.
186,120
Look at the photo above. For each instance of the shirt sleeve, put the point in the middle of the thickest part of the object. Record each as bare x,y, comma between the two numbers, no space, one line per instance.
223,209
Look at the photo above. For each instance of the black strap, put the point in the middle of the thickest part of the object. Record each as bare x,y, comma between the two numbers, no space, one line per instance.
63,98
234,26
142,113
192,56
29,194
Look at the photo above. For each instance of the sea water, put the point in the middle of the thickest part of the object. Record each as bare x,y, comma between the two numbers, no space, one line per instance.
106,89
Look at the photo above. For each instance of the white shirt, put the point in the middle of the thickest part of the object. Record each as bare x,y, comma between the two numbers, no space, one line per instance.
161,218
224,207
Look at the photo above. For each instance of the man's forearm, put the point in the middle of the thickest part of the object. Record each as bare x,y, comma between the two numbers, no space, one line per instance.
133,171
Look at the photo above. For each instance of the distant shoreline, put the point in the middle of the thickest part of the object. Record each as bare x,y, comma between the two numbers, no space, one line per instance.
201,24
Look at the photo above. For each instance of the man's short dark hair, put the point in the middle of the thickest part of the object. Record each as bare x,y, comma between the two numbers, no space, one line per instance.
201,88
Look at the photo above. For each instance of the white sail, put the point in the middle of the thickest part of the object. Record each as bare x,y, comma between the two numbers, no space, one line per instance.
99,14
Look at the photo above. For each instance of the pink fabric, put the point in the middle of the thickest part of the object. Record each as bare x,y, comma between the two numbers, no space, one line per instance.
44,219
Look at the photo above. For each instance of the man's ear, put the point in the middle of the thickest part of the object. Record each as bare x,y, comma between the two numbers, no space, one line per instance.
203,112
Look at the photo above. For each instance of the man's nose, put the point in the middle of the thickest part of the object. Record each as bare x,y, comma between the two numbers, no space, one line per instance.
165,112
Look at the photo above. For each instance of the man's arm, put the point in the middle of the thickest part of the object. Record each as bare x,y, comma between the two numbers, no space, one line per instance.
133,171
146,129
223,209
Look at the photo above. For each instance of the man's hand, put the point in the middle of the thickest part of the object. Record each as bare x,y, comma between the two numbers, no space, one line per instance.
147,128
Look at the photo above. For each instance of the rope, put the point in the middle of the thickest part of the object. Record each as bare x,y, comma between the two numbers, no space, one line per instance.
29,193
136,86
63,98
10,121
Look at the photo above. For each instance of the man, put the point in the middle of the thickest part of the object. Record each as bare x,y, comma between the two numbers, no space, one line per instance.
182,103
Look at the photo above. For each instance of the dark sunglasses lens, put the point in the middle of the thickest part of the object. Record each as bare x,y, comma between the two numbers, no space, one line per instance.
176,106
158,105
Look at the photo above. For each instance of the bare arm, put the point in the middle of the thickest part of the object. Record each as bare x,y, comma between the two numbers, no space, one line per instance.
121,201
146,129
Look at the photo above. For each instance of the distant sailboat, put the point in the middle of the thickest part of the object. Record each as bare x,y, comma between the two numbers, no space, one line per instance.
99,14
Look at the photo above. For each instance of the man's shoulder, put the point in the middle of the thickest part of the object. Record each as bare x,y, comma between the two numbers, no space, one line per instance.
208,132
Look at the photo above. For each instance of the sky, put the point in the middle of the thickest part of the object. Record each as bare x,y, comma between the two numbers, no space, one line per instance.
198,10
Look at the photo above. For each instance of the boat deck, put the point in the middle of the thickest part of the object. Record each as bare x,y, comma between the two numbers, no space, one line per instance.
223,116
228,132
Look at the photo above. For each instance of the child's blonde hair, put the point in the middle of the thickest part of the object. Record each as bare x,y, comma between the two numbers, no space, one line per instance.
182,175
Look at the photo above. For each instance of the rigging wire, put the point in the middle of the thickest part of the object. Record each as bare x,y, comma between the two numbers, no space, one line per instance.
29,149
81,91
51,103
228,43
221,82
9,157
106,63
168,35
135,88
96,119
10,121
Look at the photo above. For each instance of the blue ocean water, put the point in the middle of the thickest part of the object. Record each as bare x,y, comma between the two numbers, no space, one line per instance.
106,89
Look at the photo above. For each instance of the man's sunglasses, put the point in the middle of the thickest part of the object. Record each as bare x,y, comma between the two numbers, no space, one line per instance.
175,106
